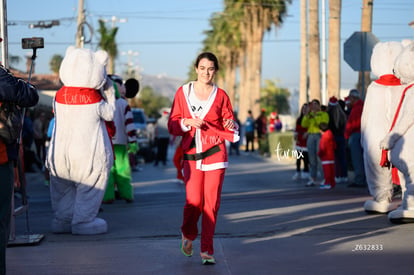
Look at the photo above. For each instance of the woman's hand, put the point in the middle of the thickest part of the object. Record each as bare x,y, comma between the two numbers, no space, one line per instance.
229,124
193,122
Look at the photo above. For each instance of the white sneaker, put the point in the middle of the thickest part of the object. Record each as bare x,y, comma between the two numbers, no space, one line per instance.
322,183
325,186
305,176
296,176
310,183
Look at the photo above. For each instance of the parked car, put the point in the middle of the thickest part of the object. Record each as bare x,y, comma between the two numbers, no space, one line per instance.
140,122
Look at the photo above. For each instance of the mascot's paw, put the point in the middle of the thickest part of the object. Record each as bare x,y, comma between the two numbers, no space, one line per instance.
375,207
97,226
385,143
61,227
400,216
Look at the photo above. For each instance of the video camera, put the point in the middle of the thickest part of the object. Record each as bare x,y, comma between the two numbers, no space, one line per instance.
33,43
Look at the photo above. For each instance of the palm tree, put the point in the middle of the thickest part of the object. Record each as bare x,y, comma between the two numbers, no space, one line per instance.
224,39
55,62
257,16
275,98
108,44
314,51
334,55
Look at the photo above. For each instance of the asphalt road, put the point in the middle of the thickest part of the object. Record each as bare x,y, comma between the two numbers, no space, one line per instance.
267,224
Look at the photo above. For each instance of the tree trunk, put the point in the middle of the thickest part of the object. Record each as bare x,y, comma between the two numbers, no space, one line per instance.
364,78
334,55
254,38
303,89
221,83
314,51
231,85
243,103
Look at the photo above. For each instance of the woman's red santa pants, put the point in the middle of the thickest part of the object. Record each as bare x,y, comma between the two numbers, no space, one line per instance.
203,193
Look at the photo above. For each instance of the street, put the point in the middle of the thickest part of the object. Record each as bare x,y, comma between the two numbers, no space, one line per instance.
267,224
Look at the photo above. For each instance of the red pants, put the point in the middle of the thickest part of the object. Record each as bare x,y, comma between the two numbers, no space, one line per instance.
203,193
329,173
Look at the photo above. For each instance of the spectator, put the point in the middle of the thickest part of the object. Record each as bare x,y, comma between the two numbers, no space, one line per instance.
47,143
278,124
39,135
235,145
353,135
249,131
326,154
300,136
124,141
30,157
261,127
311,121
337,123
163,138
17,91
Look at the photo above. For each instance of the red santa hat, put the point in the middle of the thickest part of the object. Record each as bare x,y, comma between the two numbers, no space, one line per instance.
347,101
333,101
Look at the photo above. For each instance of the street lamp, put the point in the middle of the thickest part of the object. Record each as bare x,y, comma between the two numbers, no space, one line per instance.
115,19
130,64
45,24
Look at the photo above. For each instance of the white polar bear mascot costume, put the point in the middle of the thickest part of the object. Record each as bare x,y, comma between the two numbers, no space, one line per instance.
80,154
381,101
399,141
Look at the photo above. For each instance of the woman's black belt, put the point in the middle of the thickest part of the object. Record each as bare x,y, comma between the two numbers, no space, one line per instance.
202,155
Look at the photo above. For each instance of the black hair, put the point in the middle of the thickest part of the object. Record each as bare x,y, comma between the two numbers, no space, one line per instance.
131,87
208,55
323,126
316,101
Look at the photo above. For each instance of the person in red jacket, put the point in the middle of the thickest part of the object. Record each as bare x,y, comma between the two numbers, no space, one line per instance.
353,135
326,153
202,114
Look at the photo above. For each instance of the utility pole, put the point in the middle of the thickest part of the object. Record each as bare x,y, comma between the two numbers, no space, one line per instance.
323,96
364,77
115,19
81,19
304,76
130,63
4,44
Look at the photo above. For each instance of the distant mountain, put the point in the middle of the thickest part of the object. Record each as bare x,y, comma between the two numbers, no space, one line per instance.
162,85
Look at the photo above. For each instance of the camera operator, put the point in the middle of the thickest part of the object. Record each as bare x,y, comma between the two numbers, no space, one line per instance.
21,93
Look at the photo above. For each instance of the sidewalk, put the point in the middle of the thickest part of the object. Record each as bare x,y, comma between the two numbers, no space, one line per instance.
267,224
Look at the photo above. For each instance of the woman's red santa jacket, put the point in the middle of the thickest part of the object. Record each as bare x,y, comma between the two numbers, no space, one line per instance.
212,134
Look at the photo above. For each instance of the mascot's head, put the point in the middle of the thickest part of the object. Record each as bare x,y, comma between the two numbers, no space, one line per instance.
83,68
404,65
383,57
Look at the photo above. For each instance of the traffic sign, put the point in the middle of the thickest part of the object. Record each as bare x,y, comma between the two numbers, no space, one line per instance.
358,50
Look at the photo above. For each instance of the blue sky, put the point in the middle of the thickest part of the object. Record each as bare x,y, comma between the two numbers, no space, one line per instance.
166,35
